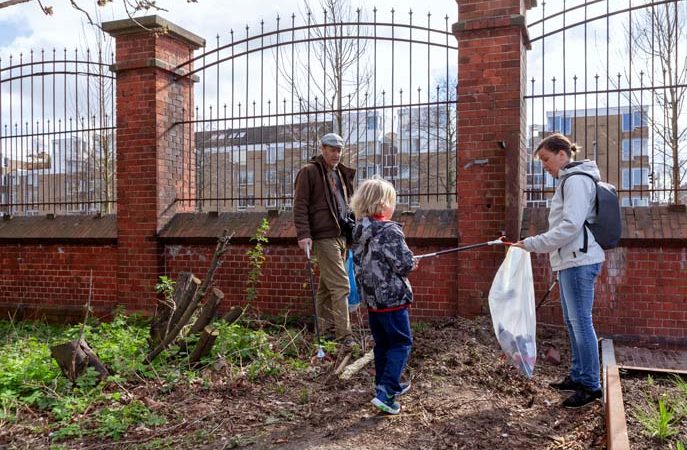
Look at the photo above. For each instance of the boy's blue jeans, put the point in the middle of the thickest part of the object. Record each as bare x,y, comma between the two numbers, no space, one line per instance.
393,341
577,299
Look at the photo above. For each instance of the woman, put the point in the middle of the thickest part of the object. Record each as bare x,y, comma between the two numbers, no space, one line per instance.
577,258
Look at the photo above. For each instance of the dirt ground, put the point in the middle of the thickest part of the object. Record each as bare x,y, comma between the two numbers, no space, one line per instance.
638,388
464,395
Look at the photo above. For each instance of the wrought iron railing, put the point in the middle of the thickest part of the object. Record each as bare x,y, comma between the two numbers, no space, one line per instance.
57,133
264,100
612,75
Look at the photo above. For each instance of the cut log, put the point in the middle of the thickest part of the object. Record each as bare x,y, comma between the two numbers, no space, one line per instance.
232,315
186,299
185,316
357,365
204,345
207,312
161,322
74,357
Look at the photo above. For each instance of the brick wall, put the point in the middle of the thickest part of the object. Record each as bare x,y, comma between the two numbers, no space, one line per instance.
189,240
52,280
641,293
284,286
491,163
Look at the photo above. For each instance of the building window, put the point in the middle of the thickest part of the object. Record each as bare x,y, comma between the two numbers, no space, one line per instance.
246,176
271,177
559,124
275,153
633,120
371,122
639,148
247,202
635,177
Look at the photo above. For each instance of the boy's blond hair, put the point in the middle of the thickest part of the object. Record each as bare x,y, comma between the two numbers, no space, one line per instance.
372,196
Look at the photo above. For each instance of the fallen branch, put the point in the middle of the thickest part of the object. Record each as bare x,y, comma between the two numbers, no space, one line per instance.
357,365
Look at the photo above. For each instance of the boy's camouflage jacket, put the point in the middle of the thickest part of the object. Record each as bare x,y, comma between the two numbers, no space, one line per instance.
382,261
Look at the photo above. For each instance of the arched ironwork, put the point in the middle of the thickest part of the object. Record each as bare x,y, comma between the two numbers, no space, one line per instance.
612,76
264,98
57,133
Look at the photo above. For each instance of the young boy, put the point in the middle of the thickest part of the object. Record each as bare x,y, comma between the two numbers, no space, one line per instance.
382,260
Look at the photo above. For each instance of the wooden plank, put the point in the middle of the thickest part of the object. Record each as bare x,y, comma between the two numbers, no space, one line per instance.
616,426
607,352
653,369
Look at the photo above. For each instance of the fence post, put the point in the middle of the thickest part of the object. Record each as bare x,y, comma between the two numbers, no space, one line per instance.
151,98
491,155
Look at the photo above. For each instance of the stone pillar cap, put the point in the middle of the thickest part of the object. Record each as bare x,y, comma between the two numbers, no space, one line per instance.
152,23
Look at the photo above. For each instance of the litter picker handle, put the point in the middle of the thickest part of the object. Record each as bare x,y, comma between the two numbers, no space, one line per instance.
499,241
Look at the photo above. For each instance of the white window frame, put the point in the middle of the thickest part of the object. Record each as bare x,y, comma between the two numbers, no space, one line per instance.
641,174
640,147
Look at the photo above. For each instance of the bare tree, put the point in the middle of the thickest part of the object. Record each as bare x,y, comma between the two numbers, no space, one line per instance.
331,70
657,38
132,7
429,136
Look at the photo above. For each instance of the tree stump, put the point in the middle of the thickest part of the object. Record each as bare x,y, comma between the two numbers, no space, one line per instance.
74,357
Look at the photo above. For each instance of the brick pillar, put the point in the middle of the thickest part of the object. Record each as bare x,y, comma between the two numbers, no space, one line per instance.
492,42
151,155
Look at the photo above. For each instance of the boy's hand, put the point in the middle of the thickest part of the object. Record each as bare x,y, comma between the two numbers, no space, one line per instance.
416,262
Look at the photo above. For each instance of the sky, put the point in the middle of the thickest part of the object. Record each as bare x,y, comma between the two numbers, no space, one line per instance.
24,26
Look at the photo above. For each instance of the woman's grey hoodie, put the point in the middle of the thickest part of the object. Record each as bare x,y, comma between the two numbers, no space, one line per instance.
382,260
565,237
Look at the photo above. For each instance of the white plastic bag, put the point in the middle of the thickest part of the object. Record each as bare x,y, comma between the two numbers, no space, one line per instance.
511,302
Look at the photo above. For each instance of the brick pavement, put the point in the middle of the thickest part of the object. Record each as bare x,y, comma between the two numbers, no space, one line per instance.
651,358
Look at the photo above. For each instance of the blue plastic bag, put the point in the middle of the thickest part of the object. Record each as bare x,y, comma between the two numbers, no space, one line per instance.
353,297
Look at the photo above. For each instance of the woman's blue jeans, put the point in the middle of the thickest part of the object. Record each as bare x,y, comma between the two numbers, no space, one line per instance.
393,341
577,300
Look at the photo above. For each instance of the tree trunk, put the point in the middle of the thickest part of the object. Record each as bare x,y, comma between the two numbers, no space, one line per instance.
184,301
161,322
208,310
233,315
204,345
74,357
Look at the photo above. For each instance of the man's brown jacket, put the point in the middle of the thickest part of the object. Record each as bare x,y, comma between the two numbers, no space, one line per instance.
314,210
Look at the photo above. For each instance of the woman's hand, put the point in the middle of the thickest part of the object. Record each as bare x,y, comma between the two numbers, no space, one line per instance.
519,244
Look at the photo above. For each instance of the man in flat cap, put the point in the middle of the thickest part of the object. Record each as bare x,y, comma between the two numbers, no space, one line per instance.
322,218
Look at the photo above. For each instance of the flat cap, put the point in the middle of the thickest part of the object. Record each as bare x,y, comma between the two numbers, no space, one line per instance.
332,140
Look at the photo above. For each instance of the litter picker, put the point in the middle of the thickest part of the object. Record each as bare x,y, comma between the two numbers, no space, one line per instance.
499,241
320,350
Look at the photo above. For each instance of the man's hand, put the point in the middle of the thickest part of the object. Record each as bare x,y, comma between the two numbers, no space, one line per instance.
305,245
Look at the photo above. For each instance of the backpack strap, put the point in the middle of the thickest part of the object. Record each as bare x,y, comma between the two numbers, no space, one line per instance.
585,242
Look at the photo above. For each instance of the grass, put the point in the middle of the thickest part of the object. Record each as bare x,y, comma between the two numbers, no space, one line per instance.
31,382
661,415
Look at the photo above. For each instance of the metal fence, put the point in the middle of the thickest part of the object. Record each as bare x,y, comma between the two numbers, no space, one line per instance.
57,133
265,97
612,75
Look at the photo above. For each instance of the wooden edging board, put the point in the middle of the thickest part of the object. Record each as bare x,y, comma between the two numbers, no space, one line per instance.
616,425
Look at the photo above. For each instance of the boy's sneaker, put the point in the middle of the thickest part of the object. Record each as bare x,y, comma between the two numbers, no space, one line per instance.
389,405
566,385
582,397
405,387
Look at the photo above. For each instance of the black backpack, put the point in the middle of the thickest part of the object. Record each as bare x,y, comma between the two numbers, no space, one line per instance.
607,226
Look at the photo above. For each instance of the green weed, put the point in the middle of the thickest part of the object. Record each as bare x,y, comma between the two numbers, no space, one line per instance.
657,422
112,423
